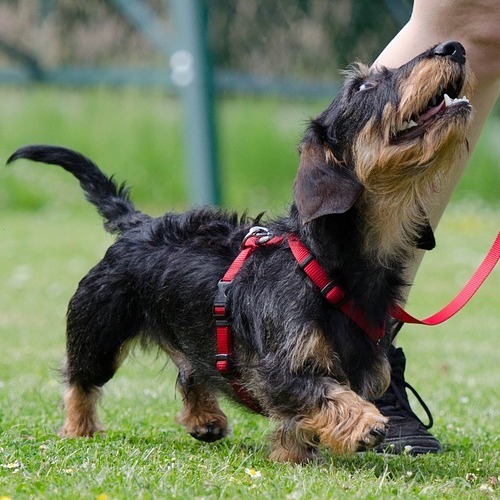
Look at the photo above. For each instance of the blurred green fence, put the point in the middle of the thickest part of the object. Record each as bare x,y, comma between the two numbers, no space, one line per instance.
196,48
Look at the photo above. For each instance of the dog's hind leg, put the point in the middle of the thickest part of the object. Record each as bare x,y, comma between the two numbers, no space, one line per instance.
102,320
201,415
81,415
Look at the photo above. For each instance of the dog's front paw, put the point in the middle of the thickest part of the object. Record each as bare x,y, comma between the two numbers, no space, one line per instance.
366,428
373,434
347,423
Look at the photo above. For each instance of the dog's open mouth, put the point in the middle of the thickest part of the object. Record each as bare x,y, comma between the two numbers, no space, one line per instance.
446,99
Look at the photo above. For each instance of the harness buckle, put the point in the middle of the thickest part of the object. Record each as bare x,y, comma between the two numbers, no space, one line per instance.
224,364
221,299
261,233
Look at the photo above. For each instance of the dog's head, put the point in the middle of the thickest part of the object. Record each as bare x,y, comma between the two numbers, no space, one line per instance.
388,132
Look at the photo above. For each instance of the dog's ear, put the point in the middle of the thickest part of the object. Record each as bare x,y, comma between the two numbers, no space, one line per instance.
322,186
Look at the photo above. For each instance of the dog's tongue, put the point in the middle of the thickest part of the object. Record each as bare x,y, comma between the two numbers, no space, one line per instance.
431,112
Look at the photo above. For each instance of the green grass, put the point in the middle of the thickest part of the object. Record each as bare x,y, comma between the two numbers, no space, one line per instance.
49,238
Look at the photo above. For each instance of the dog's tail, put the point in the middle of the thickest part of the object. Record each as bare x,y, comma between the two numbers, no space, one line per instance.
112,200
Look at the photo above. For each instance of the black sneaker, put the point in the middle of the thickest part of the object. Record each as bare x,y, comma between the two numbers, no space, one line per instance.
407,433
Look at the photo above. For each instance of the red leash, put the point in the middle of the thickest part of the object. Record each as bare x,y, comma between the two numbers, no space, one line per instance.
463,296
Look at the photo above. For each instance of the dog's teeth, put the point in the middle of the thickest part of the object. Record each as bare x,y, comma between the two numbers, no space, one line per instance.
449,101
407,125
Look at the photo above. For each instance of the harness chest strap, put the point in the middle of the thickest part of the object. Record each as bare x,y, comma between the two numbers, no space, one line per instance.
331,291
335,295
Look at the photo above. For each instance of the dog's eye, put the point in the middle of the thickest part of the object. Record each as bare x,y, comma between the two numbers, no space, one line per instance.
366,86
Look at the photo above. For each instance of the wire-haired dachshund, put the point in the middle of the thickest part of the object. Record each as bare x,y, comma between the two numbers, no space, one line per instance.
370,166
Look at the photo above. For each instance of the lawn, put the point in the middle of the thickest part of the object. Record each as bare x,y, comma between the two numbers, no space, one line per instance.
50,237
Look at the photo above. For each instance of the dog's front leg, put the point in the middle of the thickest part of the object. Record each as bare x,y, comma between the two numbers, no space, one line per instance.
315,410
345,422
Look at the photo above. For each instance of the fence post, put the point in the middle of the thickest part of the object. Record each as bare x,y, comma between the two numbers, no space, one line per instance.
192,74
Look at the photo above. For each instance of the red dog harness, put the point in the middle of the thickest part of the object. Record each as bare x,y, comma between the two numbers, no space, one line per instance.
257,237
260,236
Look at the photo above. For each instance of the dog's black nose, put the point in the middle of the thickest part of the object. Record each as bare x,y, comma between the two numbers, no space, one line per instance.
452,49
